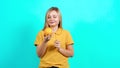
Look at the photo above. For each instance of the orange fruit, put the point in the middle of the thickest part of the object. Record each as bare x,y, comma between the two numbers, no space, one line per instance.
47,31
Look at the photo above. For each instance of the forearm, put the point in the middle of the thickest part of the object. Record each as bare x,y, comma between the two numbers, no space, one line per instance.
41,49
65,52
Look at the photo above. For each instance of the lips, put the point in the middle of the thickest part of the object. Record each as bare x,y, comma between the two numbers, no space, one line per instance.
52,22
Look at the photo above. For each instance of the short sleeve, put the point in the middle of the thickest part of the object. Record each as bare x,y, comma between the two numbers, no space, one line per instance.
39,38
69,40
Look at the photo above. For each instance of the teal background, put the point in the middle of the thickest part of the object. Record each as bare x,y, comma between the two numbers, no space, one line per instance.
93,24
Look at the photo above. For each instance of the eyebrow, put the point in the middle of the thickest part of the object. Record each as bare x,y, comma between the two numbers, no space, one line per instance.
52,15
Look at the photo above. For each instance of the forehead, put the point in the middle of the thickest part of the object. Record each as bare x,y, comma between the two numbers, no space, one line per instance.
53,12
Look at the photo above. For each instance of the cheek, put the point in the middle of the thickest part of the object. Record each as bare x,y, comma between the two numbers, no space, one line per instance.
57,20
48,20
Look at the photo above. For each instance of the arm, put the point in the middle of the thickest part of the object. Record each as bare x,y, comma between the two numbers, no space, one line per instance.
41,49
68,52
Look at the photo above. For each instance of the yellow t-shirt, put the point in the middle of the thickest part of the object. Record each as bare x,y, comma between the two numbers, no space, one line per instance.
52,57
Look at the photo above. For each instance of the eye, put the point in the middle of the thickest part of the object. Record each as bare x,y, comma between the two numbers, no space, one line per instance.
49,17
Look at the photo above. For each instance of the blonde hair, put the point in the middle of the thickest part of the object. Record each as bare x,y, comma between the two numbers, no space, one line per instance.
60,17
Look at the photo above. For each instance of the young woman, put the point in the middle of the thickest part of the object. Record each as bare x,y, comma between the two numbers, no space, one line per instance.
54,49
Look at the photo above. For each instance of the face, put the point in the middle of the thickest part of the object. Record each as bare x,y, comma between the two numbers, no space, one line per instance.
53,18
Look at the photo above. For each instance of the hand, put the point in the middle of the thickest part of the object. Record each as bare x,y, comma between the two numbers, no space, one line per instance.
47,38
57,44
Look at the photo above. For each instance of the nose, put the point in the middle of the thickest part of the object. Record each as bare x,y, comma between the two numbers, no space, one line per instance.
51,19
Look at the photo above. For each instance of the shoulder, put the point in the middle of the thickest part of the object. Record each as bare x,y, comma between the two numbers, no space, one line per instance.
40,32
65,31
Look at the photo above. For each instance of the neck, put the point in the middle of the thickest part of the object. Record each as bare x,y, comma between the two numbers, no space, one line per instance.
54,29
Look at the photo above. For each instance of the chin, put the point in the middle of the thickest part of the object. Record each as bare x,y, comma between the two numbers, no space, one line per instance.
52,25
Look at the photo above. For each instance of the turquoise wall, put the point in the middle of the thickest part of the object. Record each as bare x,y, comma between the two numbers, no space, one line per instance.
94,26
